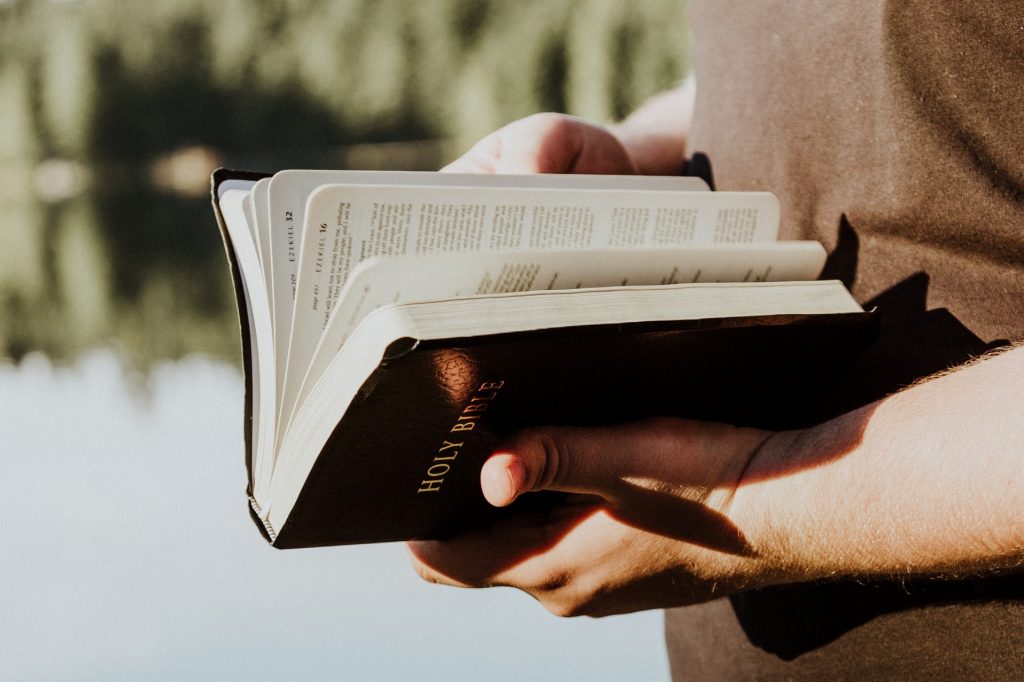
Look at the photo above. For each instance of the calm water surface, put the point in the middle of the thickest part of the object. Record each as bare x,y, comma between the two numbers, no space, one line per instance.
129,554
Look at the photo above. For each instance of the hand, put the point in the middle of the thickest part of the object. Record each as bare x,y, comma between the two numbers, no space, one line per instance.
547,143
925,482
648,524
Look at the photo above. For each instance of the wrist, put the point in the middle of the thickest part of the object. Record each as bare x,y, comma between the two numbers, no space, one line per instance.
765,521
751,551
795,501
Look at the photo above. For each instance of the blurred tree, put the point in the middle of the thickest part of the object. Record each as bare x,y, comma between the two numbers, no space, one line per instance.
107,86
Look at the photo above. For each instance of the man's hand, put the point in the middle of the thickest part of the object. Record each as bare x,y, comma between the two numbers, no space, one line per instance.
651,141
547,143
926,482
668,512
648,524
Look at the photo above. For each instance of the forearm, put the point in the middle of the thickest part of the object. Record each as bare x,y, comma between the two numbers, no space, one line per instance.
655,134
928,481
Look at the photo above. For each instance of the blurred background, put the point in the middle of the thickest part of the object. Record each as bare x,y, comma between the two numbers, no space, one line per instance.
128,551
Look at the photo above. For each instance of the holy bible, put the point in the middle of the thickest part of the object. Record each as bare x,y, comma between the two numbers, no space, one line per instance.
396,326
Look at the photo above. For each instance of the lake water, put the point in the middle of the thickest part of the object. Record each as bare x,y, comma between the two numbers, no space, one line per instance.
129,554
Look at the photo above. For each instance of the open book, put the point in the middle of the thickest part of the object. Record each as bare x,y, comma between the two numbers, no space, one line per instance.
396,325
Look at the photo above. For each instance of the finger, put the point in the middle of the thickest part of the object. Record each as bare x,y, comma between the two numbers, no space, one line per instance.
667,456
568,576
554,143
542,143
575,460
484,558
480,158
546,143
536,144
502,478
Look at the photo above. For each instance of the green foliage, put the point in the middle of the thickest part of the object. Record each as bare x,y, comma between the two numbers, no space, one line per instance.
111,84
112,78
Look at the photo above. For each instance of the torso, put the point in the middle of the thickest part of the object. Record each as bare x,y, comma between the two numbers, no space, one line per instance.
893,133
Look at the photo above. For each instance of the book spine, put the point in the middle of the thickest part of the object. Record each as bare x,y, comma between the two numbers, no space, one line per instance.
271,533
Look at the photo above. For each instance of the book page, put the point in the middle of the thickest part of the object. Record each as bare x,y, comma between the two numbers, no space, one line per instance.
381,281
289,191
259,199
250,219
345,225
232,196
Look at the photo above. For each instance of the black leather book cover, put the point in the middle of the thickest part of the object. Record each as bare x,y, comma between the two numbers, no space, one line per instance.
404,461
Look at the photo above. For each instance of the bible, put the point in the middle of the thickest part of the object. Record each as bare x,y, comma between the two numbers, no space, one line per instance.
396,325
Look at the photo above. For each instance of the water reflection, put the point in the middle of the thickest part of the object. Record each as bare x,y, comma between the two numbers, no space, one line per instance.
141,271
114,113
129,554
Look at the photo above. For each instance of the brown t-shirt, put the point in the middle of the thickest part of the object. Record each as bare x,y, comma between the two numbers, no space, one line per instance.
892,132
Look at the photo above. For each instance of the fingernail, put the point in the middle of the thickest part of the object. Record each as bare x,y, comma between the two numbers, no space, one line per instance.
503,480
516,473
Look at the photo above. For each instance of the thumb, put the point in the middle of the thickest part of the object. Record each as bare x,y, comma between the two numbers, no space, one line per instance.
576,460
683,458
